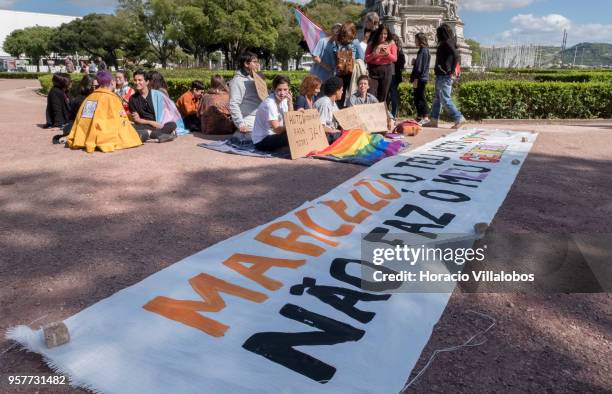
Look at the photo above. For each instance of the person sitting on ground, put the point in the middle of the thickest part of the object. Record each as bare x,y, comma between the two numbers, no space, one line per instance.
123,88
309,89
157,82
86,87
102,122
142,108
362,96
269,133
326,105
214,110
188,105
58,110
244,100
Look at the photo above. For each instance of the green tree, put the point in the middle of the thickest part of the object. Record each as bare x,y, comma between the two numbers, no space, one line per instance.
160,20
327,12
195,31
289,36
475,48
243,24
31,41
106,36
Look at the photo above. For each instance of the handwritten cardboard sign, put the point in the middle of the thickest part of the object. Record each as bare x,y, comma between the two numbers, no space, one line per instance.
371,118
305,132
261,86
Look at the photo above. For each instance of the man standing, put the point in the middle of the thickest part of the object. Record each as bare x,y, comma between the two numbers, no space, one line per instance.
143,112
244,99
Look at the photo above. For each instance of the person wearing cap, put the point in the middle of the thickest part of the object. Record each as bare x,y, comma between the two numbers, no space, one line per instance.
102,122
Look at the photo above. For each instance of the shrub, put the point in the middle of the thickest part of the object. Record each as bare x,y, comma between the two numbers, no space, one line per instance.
533,100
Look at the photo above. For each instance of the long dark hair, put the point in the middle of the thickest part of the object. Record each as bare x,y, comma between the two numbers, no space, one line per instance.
217,84
61,81
375,37
156,80
445,33
86,85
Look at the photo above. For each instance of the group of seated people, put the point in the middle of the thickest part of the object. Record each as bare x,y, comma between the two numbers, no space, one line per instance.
145,111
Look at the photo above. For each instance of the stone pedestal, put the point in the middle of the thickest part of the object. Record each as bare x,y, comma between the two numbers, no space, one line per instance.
394,23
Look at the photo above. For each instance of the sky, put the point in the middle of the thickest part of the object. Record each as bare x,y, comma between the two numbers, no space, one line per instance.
491,22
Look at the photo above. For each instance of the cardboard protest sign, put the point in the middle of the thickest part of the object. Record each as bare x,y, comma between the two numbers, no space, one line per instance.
371,118
305,132
261,86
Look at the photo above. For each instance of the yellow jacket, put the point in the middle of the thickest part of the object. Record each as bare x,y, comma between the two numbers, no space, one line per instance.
102,123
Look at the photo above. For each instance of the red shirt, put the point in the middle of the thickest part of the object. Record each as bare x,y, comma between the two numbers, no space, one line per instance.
380,59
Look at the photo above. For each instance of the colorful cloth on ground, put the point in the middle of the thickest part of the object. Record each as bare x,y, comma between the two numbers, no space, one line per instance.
166,111
102,123
187,104
312,32
358,147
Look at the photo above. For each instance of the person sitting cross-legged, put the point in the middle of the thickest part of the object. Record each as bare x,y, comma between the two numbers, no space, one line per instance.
269,132
101,122
326,105
188,105
143,112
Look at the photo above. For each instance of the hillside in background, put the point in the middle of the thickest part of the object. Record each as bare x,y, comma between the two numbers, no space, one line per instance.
587,54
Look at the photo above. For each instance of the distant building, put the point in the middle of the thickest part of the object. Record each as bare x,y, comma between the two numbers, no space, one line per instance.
13,20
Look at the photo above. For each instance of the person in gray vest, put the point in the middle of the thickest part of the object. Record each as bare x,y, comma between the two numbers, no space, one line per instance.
244,100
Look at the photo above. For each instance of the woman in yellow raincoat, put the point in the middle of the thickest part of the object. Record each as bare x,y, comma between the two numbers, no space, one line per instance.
102,122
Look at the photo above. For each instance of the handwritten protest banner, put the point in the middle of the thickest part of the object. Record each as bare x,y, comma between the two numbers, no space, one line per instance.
304,132
285,307
371,118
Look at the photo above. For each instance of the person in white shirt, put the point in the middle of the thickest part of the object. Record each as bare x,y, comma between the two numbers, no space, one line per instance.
326,105
269,133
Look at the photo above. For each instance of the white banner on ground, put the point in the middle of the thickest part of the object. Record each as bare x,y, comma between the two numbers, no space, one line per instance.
279,308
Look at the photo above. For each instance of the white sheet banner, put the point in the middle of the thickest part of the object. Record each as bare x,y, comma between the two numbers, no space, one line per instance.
279,308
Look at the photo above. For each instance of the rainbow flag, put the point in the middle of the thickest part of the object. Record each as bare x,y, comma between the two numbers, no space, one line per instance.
357,146
312,32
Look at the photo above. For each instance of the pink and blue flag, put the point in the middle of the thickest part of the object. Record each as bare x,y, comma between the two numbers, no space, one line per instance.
312,32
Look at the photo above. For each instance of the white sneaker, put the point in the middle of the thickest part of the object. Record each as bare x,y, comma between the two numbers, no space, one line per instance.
459,123
431,123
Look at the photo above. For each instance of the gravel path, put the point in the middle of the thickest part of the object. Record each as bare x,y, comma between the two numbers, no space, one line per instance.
76,228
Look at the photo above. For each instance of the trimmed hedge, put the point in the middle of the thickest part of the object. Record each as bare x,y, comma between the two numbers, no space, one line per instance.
574,77
533,100
494,99
21,75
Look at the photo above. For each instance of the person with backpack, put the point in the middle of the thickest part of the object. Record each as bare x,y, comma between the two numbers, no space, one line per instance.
447,59
380,57
348,50
420,76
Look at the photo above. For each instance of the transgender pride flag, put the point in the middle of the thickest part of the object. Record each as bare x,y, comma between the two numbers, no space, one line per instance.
312,32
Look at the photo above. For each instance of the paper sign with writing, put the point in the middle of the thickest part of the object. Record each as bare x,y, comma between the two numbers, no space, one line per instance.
305,132
261,86
368,117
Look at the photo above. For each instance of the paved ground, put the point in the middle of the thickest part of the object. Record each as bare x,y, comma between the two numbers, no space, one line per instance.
76,227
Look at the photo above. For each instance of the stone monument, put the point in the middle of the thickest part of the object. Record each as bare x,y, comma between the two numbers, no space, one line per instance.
408,17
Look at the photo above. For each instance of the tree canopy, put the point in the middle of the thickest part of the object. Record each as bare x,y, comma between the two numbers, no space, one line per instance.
163,31
31,41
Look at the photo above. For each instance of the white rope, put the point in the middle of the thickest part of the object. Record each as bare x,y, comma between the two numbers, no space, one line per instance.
467,343
29,324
